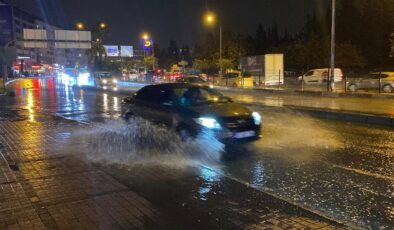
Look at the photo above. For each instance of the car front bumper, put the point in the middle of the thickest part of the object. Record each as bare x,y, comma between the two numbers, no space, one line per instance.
240,135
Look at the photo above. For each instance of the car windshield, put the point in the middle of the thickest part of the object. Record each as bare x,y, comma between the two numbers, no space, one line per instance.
190,96
104,75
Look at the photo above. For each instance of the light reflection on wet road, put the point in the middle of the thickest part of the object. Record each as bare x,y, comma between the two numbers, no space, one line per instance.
345,170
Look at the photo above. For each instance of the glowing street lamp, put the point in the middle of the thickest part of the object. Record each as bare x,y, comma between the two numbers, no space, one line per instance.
80,26
102,25
210,19
145,36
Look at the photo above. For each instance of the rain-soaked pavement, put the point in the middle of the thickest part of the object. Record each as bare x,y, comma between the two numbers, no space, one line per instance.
343,171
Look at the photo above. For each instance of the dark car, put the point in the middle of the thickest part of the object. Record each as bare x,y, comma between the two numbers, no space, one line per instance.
191,110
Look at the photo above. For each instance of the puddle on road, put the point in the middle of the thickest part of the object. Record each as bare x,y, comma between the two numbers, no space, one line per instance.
295,136
141,142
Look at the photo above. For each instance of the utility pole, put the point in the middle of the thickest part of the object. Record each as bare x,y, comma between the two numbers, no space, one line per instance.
220,50
332,72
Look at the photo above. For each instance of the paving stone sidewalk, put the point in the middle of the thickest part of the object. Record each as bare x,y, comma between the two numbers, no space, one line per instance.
42,190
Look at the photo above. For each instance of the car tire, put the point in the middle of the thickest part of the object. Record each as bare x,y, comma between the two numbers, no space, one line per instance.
352,88
127,116
185,133
387,89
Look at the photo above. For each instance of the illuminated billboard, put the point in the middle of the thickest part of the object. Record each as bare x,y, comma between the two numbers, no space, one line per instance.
112,51
126,51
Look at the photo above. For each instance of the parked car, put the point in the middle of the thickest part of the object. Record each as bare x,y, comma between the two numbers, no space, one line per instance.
371,82
318,76
191,110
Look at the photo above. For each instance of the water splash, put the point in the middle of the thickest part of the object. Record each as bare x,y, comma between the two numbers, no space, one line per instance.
141,142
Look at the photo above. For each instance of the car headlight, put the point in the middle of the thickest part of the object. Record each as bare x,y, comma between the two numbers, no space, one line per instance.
256,118
114,81
209,123
105,81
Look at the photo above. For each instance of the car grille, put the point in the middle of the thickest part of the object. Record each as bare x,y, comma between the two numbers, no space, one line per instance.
237,122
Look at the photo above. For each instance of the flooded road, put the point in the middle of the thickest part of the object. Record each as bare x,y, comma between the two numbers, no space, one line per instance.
344,171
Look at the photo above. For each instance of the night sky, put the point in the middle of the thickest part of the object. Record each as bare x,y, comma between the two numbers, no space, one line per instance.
180,20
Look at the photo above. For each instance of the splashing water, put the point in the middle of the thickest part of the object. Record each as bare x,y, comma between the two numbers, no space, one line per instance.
140,141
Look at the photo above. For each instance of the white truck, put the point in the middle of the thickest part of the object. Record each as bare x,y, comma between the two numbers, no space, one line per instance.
267,69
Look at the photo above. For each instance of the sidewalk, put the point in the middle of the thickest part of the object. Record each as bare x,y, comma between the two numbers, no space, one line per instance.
40,189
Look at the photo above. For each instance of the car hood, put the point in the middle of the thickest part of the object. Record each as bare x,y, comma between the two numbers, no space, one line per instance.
221,110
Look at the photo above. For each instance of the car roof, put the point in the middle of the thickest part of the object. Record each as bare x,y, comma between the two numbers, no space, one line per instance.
325,69
174,85
387,72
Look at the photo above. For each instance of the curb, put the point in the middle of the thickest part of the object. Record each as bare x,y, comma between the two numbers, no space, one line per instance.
311,93
339,116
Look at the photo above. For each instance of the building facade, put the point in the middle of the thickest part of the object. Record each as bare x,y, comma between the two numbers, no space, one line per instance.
14,20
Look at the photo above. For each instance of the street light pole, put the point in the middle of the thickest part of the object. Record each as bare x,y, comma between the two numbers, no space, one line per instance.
220,49
332,72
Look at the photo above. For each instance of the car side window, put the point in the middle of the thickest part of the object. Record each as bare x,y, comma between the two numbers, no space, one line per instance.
377,76
154,95
310,73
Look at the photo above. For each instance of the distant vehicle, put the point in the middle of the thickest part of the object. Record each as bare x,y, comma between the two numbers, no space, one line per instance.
372,82
318,76
236,79
191,110
195,80
105,80
267,69
173,75
130,75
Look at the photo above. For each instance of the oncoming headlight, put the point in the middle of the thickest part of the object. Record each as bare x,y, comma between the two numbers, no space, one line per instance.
209,123
256,118
105,81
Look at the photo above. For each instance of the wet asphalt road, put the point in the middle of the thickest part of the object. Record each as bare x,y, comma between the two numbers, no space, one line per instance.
342,170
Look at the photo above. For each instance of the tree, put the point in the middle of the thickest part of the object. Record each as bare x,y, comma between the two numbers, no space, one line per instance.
377,27
96,53
226,64
260,40
202,64
349,56
130,64
150,61
348,26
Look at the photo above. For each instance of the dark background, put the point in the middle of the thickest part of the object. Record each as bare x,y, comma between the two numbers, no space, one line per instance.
180,20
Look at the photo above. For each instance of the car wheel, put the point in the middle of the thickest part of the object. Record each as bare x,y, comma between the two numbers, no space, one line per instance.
185,133
127,116
387,89
352,88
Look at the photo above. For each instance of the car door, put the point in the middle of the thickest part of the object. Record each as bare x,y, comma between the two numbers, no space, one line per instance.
372,82
154,103
308,77
142,105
